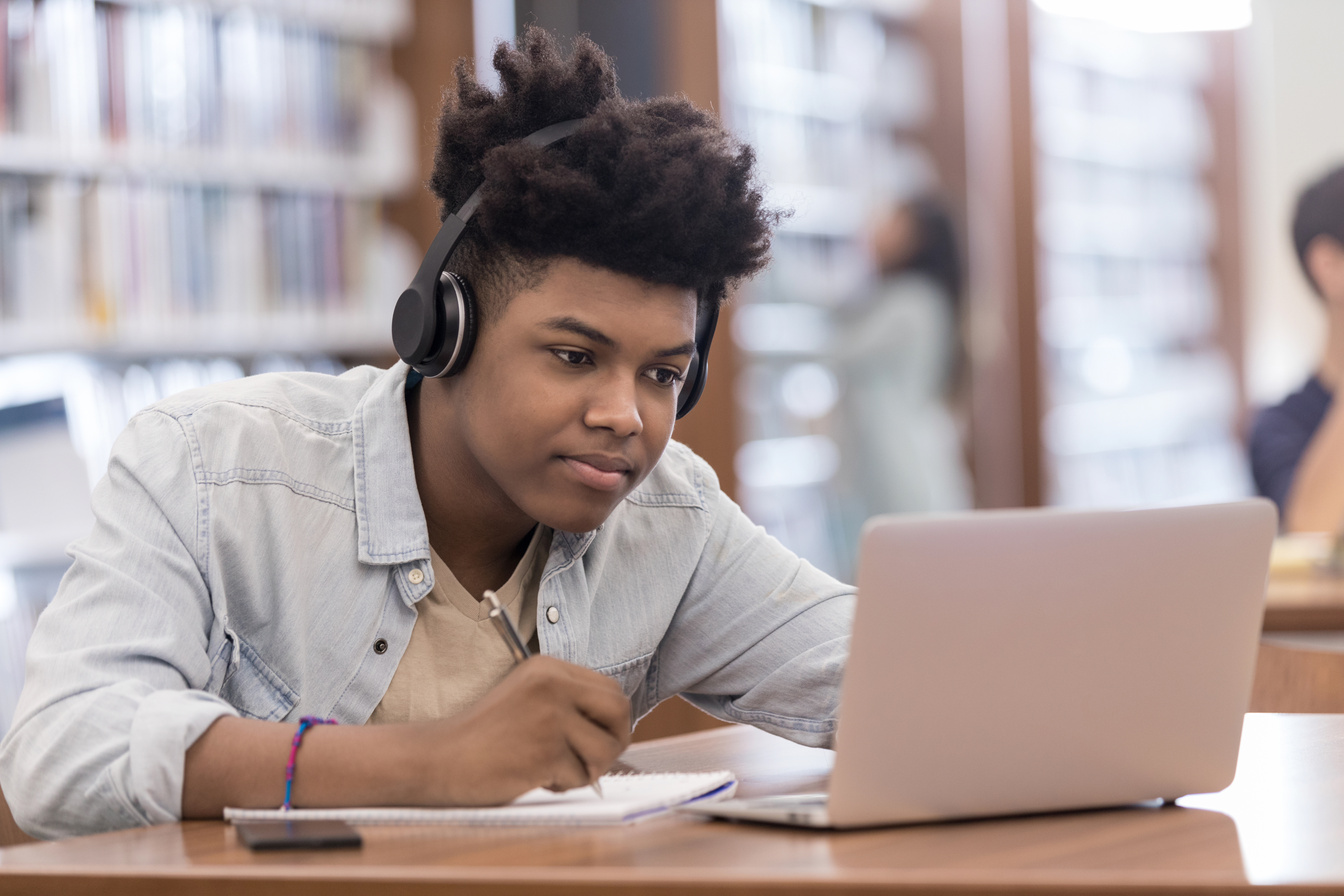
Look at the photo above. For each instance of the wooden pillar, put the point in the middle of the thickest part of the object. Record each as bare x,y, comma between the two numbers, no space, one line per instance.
424,62
1001,250
688,31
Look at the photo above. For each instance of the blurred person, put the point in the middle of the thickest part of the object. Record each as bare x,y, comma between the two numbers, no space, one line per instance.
899,351
1297,446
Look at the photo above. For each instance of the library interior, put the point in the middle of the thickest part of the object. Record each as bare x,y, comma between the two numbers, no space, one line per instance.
1031,260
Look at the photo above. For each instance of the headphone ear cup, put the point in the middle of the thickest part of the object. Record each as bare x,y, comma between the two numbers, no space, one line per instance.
693,385
466,319
450,330
414,320
697,373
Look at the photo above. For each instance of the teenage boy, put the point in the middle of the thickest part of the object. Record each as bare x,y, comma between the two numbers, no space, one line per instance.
298,545
1297,446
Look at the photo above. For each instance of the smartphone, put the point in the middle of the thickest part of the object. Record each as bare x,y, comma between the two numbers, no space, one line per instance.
297,834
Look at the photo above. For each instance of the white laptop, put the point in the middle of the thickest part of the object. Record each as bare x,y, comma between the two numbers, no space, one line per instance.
1023,661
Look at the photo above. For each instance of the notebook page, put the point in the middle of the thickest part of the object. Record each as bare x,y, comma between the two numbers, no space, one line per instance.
628,798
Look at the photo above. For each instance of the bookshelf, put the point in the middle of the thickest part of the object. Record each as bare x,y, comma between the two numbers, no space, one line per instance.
369,174
200,177
190,190
1139,323
1104,245
376,21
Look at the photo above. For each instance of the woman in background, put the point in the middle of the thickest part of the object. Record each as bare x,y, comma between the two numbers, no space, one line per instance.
900,352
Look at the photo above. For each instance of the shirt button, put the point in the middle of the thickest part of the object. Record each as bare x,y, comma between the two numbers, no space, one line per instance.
416,576
380,646
552,615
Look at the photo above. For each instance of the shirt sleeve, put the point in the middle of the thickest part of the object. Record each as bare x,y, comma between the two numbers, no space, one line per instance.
761,636
115,671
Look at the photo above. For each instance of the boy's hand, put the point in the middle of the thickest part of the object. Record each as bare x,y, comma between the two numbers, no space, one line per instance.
547,724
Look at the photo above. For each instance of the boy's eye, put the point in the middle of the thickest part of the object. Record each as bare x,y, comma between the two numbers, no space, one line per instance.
665,376
571,356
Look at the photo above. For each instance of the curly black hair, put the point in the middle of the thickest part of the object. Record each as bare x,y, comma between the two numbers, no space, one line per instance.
1319,212
653,189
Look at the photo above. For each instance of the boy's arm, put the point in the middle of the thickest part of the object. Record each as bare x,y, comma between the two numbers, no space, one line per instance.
117,663
761,636
547,724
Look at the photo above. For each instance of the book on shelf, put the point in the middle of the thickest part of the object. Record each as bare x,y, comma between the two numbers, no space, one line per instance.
98,260
208,169
181,74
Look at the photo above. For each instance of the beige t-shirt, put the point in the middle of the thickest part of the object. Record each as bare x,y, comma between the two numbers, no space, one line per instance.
455,654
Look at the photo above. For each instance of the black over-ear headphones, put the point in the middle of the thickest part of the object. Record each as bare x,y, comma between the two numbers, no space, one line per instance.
434,322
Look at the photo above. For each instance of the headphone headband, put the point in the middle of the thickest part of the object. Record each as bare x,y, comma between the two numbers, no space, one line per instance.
416,316
552,133
435,335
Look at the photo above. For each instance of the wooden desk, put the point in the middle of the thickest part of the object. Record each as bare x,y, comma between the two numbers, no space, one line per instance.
1304,602
1300,667
1281,822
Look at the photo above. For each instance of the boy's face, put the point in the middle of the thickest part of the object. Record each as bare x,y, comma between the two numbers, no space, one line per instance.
571,392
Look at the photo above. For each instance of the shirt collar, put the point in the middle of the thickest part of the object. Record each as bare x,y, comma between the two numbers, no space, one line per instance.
388,513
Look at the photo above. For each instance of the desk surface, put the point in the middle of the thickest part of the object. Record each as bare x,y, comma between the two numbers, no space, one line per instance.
1281,822
1304,601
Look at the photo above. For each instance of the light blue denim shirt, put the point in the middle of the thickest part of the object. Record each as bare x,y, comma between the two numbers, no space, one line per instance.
251,556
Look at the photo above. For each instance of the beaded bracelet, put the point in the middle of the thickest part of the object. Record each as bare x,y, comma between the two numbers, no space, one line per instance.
304,724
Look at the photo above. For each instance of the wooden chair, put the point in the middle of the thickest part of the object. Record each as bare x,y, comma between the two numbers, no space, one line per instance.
1289,678
674,716
10,833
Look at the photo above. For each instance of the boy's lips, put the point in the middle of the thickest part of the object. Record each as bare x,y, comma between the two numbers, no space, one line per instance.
599,471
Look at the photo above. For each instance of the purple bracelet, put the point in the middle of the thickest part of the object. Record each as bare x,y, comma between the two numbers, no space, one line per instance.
304,724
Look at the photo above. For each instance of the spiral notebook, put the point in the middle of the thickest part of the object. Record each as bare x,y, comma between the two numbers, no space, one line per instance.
628,798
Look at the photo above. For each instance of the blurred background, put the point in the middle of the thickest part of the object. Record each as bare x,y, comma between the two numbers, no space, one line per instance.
1038,254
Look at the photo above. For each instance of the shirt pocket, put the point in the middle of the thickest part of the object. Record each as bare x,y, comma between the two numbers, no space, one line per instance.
255,690
630,675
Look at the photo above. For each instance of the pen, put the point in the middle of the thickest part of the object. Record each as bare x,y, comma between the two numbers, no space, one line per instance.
504,625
